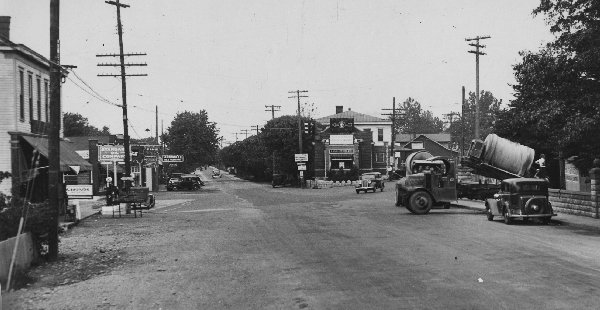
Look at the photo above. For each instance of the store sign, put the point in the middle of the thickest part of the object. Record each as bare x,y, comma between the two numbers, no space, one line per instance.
172,158
110,153
342,151
341,139
341,125
301,157
80,191
301,167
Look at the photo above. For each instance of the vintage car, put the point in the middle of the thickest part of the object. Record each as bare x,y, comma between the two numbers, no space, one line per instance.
523,198
370,181
185,182
216,173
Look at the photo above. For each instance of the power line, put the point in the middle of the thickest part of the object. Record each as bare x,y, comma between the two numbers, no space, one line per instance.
272,109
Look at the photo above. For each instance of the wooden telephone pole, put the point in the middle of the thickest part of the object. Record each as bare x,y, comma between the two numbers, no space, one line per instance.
395,114
477,52
272,109
123,76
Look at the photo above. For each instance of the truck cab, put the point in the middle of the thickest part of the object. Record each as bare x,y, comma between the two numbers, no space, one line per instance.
430,181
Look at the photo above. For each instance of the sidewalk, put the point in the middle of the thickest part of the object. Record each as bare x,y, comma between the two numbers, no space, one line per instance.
561,218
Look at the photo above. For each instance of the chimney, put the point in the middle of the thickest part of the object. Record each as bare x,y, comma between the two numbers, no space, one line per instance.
5,27
339,109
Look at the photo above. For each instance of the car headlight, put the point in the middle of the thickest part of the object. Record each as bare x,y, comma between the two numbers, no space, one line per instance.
535,208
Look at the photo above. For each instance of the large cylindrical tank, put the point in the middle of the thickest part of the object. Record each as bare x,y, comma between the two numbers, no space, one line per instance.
507,155
419,155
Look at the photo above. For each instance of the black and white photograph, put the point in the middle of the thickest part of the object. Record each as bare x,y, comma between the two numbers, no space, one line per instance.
299,154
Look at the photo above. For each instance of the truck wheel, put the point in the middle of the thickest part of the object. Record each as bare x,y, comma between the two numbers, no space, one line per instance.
420,202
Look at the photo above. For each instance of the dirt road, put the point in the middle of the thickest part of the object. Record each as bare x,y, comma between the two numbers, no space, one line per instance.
240,245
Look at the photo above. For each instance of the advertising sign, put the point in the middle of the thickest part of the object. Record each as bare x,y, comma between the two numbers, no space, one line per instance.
301,167
111,153
341,125
301,157
172,158
80,191
341,139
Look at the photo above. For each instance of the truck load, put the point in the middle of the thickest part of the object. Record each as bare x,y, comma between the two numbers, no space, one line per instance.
499,158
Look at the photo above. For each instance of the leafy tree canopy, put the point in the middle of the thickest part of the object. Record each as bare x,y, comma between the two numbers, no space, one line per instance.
417,120
557,90
75,124
192,135
463,128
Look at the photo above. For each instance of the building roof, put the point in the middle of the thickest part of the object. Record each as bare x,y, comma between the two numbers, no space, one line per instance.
358,118
437,137
68,158
7,46
82,142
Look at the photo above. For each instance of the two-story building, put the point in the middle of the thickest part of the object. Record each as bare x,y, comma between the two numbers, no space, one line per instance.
24,110
351,139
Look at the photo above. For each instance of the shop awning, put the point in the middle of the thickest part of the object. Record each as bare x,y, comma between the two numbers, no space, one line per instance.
69,159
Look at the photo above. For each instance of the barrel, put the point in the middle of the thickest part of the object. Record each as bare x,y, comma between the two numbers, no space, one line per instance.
507,155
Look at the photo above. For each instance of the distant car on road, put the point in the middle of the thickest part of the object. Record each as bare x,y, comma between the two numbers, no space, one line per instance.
370,181
216,173
185,182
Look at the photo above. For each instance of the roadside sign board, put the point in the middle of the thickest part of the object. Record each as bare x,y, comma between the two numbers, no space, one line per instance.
80,191
110,153
301,167
172,158
301,157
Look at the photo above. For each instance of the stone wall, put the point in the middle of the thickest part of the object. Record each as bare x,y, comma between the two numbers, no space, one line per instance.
572,202
25,255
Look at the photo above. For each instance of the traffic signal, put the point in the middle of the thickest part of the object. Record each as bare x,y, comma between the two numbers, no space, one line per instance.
306,127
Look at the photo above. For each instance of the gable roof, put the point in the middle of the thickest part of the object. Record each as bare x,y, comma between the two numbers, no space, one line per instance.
7,46
358,118
436,137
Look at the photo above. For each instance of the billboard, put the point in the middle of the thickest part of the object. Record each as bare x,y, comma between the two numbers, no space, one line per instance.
172,158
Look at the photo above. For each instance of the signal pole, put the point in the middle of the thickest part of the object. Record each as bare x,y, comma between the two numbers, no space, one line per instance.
123,76
477,52
245,131
255,127
273,107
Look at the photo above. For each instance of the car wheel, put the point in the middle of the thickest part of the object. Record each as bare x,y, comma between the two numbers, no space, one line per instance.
358,191
420,202
382,186
507,219
490,215
545,220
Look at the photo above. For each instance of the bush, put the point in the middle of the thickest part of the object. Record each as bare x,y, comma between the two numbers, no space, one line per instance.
39,219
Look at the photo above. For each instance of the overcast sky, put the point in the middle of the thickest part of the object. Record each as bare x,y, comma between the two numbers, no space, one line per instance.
232,58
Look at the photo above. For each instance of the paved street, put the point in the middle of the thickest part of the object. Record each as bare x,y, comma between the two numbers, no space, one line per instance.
241,245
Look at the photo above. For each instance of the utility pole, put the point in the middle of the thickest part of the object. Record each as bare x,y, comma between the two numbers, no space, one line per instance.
395,113
477,52
255,127
297,92
54,132
245,131
462,124
272,109
123,76
156,127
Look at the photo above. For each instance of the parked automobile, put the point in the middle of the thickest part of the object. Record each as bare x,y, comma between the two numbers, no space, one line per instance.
280,180
370,181
185,182
216,173
523,198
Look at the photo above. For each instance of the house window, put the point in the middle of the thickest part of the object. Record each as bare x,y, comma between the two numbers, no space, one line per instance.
39,99
379,157
379,134
46,99
30,93
417,145
21,96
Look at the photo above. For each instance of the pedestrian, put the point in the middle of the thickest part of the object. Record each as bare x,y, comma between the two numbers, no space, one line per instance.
541,162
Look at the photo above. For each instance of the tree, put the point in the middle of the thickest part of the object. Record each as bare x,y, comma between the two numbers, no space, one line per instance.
416,120
192,135
463,128
75,124
558,87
